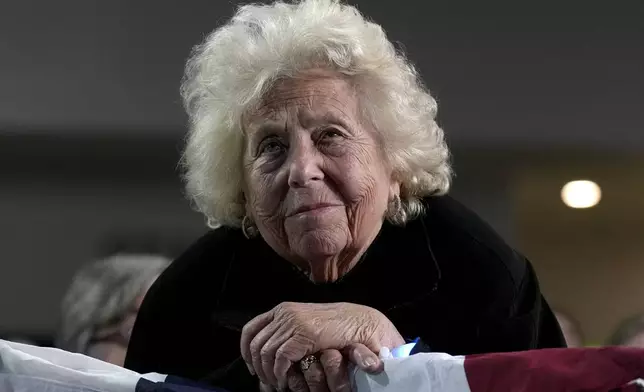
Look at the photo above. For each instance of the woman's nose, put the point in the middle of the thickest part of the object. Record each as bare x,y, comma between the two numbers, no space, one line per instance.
304,167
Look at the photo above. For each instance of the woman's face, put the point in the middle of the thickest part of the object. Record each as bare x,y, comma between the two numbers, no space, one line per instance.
317,183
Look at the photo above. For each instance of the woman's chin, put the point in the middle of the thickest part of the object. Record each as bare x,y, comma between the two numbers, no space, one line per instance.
320,252
318,245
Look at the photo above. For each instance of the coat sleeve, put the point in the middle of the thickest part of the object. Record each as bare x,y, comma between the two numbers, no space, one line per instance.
488,298
524,323
530,323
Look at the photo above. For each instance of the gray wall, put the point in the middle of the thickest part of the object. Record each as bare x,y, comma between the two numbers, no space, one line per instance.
66,201
529,75
49,230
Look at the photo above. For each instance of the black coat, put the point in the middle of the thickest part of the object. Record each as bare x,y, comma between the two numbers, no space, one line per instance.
447,278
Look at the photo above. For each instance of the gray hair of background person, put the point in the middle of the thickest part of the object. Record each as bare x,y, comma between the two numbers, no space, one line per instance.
627,331
230,72
102,291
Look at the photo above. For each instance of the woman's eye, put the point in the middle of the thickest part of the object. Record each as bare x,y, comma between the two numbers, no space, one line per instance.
331,133
271,147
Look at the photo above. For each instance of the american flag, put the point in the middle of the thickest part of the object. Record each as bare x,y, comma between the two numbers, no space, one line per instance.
26,368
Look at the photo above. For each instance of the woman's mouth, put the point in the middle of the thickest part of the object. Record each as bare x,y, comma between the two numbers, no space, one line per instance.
312,208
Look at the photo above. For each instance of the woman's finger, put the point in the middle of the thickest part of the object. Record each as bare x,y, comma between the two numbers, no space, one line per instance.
264,357
265,388
296,381
365,359
290,352
258,346
335,371
249,331
315,377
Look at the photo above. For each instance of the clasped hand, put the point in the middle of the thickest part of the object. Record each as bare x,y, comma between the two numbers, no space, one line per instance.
273,344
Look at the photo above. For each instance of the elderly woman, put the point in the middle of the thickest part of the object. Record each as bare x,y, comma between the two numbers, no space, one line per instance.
314,144
101,304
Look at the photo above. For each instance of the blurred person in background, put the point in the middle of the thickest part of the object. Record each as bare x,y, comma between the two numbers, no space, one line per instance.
570,328
314,143
629,333
102,302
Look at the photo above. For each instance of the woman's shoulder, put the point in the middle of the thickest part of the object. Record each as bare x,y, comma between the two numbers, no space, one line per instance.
458,220
203,263
462,236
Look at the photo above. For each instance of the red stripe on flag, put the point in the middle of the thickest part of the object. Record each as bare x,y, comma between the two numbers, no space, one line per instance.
554,370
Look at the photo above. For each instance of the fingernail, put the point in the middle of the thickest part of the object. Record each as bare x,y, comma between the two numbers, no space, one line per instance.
369,362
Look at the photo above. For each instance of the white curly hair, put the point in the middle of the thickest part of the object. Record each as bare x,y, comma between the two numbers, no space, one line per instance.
233,69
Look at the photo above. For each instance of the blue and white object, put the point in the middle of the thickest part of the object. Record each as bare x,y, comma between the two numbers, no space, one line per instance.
404,351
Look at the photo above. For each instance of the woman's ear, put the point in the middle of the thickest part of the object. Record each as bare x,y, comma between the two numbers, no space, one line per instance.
395,212
245,202
394,189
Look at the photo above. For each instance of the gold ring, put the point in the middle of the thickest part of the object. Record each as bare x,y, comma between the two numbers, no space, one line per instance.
307,361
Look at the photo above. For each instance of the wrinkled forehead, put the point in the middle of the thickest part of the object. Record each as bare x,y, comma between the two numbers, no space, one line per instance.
310,97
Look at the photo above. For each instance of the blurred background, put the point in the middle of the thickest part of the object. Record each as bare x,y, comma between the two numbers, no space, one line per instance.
530,97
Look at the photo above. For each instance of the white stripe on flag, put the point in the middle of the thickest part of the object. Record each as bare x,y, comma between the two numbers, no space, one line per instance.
30,368
427,372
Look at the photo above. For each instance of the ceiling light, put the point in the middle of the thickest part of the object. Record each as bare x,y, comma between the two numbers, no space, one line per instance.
581,194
